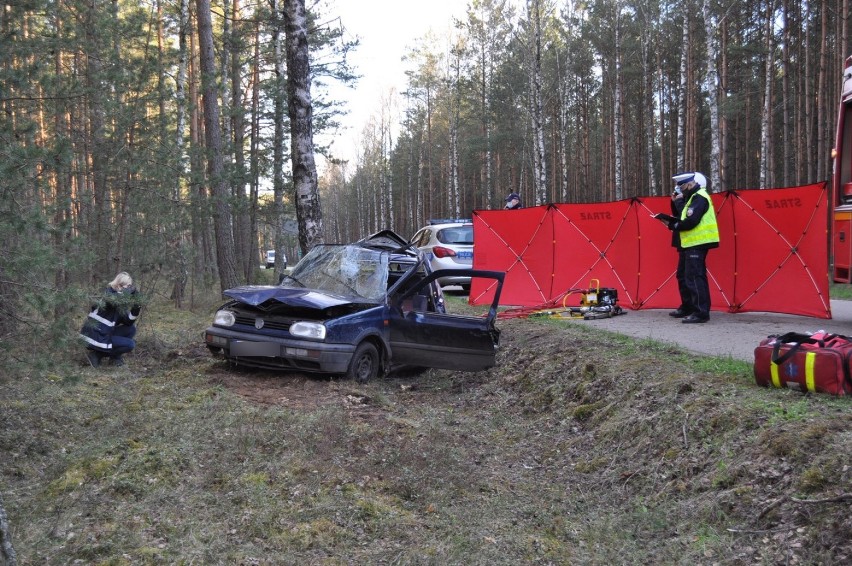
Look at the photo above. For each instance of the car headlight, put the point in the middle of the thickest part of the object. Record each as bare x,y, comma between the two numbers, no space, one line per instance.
224,318
312,330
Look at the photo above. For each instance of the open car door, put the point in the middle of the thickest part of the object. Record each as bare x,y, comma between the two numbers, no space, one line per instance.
419,336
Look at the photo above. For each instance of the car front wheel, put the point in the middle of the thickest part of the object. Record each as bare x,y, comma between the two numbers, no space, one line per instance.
365,363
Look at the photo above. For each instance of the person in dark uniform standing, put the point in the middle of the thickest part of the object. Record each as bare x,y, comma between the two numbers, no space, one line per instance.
695,232
677,203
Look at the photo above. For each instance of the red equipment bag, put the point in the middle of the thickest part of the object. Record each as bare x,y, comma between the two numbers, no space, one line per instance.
807,362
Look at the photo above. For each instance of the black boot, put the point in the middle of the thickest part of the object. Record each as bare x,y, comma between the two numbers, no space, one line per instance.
94,358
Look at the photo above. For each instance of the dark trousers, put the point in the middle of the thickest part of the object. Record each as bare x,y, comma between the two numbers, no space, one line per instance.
122,340
685,304
692,282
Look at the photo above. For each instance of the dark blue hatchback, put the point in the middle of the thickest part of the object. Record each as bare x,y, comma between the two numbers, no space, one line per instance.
358,310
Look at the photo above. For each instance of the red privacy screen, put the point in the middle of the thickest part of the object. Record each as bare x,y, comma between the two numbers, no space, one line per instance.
772,255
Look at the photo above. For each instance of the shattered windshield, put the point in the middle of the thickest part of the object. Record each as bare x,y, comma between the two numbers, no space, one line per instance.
349,271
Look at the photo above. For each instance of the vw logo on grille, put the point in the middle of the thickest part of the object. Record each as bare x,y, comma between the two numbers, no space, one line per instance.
258,323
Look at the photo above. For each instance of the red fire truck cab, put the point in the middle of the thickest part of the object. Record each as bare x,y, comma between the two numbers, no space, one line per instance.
842,183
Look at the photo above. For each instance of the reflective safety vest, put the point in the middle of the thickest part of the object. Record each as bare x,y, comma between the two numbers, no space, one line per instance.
707,231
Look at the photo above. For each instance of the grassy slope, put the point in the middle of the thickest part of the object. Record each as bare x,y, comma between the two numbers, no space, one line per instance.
580,447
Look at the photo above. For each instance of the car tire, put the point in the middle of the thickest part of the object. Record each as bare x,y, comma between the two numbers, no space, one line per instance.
365,363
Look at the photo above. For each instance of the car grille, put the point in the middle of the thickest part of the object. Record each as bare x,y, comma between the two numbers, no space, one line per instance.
269,324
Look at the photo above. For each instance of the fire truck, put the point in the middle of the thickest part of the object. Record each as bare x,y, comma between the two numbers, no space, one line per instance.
842,183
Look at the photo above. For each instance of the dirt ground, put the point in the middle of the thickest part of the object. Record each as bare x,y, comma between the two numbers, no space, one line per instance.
294,390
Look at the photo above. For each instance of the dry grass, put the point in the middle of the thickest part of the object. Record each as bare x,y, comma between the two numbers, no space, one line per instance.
579,448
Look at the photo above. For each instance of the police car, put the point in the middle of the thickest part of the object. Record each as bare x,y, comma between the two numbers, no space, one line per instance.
447,244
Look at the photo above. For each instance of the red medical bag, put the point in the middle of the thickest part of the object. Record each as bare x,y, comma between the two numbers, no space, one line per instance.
807,362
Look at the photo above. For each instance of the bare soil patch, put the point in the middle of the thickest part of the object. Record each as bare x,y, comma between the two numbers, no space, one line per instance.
296,391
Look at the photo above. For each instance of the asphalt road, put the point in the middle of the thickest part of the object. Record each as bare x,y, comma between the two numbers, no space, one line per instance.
726,334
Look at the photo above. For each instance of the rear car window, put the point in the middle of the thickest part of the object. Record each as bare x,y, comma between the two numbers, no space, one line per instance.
456,235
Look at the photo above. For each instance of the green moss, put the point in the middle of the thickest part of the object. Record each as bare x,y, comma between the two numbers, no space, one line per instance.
259,479
813,480
70,480
320,533
590,466
585,412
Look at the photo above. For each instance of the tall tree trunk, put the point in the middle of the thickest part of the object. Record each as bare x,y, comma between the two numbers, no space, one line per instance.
382,158
823,171
536,106
765,179
430,173
308,210
225,252
723,120
800,100
242,210
413,179
810,163
680,165
648,100
562,86
181,268
204,245
95,55
617,138
388,219
584,129
787,150
62,235
180,91
711,84
279,118
421,164
454,99
663,99
254,148
224,71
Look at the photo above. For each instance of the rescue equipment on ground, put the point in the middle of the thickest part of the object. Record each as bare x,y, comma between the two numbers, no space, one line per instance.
595,302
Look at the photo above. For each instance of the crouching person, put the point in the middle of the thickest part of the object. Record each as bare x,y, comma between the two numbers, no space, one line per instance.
111,324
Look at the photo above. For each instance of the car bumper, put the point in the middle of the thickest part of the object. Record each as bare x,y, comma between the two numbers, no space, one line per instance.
279,353
450,263
446,281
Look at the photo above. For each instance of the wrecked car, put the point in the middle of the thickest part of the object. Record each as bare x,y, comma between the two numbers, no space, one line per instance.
359,310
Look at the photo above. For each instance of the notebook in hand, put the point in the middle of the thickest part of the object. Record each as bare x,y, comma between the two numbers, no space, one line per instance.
664,217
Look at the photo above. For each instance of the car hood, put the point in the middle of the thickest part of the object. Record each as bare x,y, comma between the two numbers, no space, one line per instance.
296,297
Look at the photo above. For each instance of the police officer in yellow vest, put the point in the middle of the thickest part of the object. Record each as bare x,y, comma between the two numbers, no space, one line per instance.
697,232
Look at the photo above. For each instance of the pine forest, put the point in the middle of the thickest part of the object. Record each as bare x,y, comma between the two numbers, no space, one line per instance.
175,139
